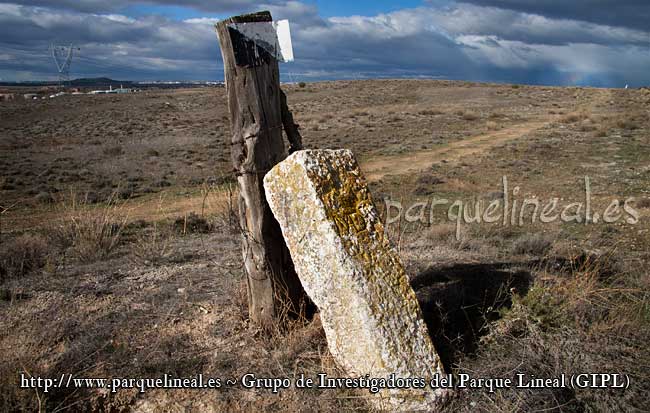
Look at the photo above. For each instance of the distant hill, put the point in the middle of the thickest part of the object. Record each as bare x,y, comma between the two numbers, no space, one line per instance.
105,83
83,82
99,82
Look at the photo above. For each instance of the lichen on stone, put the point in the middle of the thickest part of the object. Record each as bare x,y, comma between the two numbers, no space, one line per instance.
370,314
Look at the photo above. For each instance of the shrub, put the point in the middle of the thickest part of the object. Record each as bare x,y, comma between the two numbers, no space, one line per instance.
572,118
627,123
430,112
302,84
113,151
469,116
22,255
192,223
90,233
643,203
152,245
532,244
44,198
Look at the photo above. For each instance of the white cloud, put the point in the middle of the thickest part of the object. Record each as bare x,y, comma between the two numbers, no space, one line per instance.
118,18
202,20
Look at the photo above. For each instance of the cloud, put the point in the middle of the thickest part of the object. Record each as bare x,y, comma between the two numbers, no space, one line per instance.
467,19
479,43
633,14
388,43
453,40
111,45
102,6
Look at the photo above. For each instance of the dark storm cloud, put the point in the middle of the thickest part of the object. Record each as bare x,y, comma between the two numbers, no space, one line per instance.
623,13
149,47
458,41
528,28
481,44
100,6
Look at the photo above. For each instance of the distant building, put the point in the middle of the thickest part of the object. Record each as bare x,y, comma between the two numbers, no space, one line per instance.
120,90
111,90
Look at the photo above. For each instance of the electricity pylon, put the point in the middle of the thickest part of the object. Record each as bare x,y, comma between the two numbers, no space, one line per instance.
62,56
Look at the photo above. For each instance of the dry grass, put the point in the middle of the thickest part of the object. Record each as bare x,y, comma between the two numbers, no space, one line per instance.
152,245
629,121
192,223
430,112
146,315
467,115
567,325
531,244
88,232
573,117
224,202
22,255
643,203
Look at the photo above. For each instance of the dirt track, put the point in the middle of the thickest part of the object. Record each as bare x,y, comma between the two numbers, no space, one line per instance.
412,162
377,168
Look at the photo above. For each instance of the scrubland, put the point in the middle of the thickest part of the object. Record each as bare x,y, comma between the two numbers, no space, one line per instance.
120,252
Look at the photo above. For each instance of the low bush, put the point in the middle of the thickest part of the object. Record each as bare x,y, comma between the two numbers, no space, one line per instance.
89,233
22,255
531,244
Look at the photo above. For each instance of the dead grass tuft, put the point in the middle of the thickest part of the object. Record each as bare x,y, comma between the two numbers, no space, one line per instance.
152,245
643,203
192,223
89,233
531,244
22,255
491,125
627,123
467,115
430,112
573,117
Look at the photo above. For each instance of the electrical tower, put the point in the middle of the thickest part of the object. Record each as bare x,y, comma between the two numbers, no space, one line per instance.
62,56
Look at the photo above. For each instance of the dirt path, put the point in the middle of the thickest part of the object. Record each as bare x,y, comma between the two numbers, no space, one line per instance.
165,205
377,168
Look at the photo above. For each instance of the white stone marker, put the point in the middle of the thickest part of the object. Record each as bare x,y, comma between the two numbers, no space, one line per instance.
369,311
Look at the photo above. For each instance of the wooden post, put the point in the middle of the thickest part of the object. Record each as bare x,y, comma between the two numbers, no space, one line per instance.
257,114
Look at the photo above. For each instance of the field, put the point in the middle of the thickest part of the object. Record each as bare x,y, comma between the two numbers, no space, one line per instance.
120,253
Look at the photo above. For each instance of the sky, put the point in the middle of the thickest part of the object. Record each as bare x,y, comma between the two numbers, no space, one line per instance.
603,43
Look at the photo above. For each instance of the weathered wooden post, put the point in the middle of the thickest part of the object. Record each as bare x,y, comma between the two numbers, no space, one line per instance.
258,112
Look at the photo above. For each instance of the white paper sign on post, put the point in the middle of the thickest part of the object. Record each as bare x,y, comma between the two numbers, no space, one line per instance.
274,37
